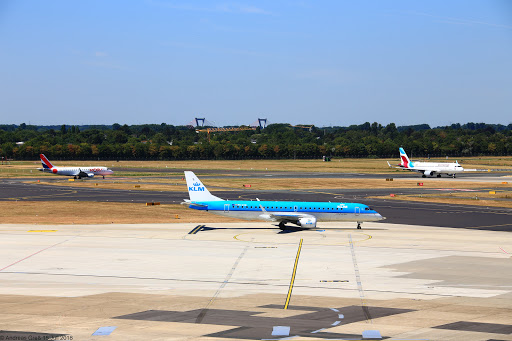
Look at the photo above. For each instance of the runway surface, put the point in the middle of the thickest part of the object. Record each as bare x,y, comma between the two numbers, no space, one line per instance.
233,281
399,212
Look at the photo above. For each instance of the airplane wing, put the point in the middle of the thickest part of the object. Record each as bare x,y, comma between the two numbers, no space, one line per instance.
193,204
281,216
83,174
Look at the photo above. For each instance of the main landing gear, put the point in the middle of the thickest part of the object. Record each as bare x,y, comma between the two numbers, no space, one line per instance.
282,226
359,225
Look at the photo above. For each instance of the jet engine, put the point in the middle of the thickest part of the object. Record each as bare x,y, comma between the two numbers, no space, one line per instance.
428,173
83,174
307,222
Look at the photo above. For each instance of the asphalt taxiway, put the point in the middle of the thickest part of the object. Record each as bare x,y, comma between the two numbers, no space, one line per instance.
398,212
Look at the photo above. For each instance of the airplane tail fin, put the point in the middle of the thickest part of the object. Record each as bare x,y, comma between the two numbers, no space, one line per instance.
196,190
404,158
46,163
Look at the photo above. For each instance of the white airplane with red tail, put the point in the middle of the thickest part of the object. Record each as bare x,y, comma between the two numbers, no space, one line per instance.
76,172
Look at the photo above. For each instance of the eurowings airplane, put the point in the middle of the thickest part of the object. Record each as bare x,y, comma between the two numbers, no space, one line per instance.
77,172
300,213
428,168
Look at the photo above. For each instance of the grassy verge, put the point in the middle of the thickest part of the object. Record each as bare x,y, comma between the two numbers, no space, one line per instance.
134,185
72,212
28,168
451,200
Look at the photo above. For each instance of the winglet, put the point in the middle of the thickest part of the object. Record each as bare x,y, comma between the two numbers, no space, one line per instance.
389,164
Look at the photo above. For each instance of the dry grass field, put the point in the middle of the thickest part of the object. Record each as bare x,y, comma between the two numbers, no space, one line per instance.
481,201
72,212
129,184
29,168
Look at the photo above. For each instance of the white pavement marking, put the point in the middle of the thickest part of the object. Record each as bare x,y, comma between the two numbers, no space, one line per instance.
318,331
226,280
358,280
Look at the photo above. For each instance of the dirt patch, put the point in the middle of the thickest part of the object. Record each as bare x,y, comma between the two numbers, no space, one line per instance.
88,212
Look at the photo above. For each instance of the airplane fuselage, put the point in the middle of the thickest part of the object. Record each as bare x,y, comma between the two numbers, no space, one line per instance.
433,168
322,211
75,171
428,168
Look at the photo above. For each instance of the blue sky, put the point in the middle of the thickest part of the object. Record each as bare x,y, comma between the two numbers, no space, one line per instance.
319,62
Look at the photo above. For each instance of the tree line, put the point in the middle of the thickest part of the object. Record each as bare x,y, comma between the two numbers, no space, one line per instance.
168,142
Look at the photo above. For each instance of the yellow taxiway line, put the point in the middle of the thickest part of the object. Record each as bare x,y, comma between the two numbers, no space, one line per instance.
293,276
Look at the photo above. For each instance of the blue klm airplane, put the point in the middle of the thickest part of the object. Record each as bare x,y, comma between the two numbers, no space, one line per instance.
301,213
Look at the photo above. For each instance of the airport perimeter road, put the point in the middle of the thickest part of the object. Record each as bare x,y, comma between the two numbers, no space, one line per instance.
399,212
233,281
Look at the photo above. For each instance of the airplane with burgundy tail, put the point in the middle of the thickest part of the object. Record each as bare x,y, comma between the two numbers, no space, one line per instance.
304,214
76,172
